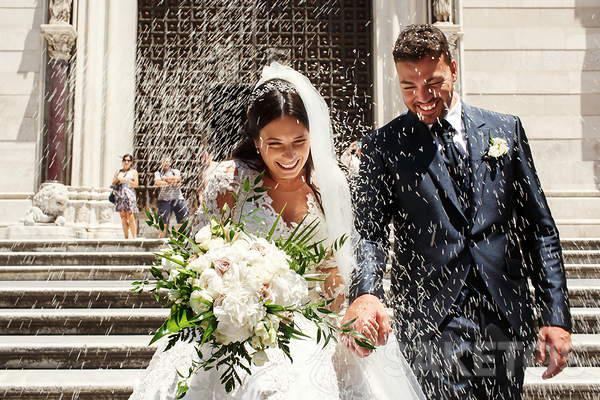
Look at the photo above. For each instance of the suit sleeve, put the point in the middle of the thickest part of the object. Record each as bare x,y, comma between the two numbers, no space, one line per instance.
541,242
373,199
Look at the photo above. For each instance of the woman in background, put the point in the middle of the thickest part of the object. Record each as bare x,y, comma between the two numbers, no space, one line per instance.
125,181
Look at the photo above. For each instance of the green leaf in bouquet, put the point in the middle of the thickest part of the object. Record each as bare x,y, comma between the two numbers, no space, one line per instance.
324,311
274,226
208,333
292,236
182,389
247,185
274,308
258,179
169,258
160,333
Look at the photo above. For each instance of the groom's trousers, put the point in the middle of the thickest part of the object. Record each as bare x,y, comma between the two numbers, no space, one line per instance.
474,353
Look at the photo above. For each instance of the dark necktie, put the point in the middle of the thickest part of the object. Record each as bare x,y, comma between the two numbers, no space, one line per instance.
456,161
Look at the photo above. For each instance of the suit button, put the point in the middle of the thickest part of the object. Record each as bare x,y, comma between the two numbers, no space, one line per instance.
471,244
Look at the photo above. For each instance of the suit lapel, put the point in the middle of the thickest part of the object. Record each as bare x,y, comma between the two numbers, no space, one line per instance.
478,140
426,147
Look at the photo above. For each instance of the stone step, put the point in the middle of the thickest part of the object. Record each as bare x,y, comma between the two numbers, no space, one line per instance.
73,294
135,272
571,384
582,256
586,320
82,245
584,292
581,244
118,294
586,351
134,351
117,384
582,270
76,258
79,321
98,321
87,384
74,272
582,228
75,352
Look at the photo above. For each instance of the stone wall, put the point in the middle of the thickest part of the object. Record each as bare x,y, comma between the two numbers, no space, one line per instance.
21,88
541,61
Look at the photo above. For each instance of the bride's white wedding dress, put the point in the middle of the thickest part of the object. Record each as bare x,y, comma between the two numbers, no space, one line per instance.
329,373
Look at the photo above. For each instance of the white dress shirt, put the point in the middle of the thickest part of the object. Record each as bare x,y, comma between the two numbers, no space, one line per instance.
454,118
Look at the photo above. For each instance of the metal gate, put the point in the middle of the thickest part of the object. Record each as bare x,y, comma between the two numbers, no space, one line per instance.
197,59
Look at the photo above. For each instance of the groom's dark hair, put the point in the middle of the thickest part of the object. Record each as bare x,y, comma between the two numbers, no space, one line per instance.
419,41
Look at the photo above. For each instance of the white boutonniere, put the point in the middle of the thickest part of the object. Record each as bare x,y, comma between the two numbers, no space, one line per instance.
498,148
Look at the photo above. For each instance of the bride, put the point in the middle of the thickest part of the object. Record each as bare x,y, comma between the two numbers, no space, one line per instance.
289,139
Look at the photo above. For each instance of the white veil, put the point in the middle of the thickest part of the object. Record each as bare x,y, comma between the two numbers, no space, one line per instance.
385,374
334,189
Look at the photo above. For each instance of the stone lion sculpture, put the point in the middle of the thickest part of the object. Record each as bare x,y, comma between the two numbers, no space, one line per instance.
49,205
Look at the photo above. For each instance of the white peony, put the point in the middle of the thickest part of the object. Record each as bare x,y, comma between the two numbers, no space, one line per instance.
498,147
288,289
203,237
211,282
199,264
237,316
200,301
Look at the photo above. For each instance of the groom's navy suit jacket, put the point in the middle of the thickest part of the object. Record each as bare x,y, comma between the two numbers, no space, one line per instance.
509,236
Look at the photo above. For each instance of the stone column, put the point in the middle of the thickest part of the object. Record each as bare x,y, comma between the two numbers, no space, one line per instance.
60,36
389,18
105,89
447,15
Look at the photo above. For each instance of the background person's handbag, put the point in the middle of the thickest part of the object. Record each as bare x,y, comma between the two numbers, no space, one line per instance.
111,197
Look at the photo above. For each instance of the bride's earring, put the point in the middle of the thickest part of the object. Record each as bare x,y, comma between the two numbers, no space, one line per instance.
257,151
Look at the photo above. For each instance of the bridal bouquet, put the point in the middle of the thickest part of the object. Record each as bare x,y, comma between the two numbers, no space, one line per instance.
234,294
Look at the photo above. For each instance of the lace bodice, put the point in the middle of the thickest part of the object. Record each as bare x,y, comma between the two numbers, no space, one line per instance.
258,214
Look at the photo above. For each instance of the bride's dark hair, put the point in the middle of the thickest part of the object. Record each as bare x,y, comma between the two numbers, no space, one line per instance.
272,100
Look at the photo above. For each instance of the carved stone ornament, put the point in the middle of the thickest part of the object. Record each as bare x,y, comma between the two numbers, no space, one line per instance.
442,11
60,11
61,40
49,205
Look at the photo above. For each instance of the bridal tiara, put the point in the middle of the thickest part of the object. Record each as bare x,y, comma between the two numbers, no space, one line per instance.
274,84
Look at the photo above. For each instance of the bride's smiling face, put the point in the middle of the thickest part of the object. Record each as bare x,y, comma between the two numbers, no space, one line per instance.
284,146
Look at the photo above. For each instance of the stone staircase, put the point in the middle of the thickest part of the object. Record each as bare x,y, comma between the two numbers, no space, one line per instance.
70,328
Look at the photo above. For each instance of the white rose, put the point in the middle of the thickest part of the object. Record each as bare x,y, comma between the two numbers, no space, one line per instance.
498,148
173,274
199,264
174,296
203,237
168,264
237,316
260,358
200,301
265,331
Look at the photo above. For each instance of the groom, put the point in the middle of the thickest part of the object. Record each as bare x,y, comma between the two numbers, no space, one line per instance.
471,225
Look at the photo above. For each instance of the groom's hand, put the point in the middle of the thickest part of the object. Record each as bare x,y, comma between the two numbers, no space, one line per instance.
558,342
371,320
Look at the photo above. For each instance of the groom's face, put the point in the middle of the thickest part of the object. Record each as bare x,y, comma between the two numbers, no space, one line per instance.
427,86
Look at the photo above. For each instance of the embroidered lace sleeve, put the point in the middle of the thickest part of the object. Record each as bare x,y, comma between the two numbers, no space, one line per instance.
220,178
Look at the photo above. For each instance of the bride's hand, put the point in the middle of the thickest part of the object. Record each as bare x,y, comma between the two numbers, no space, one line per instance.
371,320
333,289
